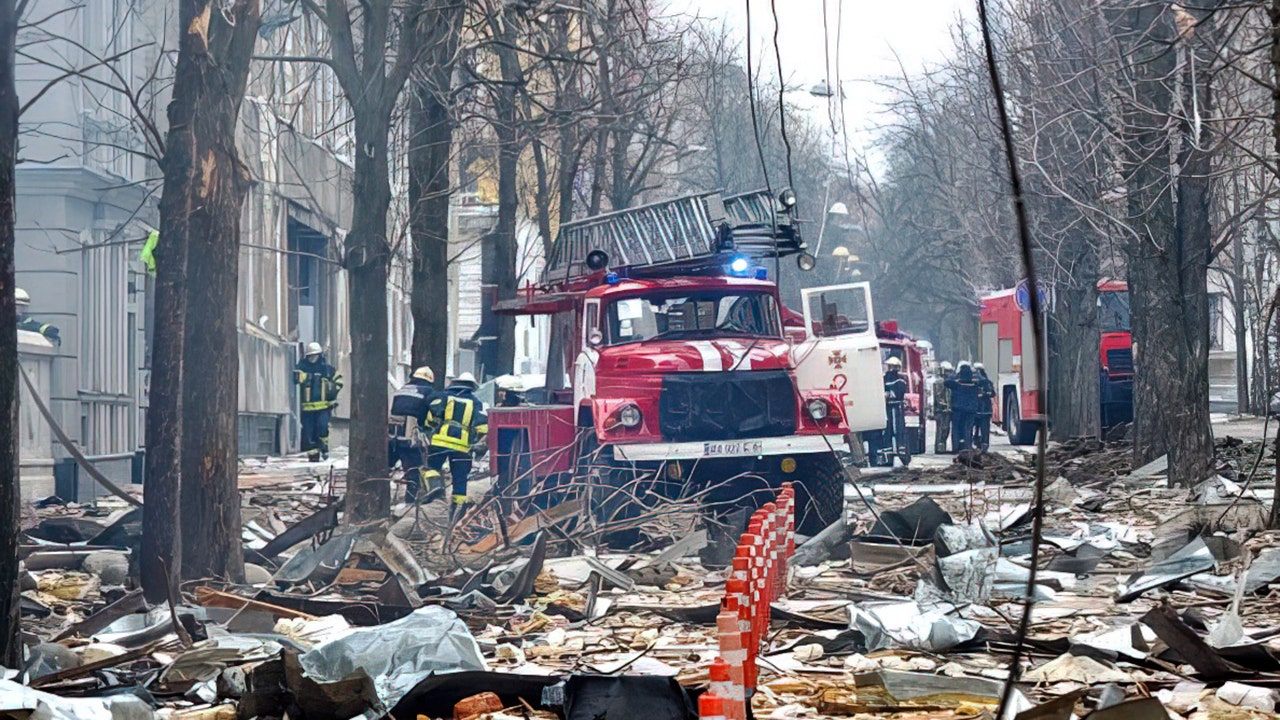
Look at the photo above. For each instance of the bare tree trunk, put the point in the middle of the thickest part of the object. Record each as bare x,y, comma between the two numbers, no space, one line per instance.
498,265
430,151
1273,13
368,258
362,44
1239,298
1073,392
10,492
1168,259
181,201
210,502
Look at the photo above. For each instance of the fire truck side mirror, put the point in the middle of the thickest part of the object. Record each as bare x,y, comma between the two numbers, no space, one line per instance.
595,337
597,259
806,262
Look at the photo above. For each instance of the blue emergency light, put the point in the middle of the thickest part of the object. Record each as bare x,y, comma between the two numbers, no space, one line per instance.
739,265
762,273
612,278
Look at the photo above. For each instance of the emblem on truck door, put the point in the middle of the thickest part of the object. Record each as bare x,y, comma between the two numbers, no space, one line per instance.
838,359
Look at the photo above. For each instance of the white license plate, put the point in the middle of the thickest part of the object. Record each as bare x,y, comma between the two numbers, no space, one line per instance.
732,448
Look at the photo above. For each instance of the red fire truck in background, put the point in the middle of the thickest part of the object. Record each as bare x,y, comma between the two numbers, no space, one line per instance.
689,378
1007,351
912,353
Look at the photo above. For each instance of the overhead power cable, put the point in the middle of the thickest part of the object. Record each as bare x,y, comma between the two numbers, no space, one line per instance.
1037,331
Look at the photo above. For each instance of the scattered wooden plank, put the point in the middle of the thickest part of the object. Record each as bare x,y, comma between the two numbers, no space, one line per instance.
208,597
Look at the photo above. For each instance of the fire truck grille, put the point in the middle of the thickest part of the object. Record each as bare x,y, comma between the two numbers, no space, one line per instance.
1120,361
727,406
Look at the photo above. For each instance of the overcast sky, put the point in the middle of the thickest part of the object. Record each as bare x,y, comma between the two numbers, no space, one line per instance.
875,36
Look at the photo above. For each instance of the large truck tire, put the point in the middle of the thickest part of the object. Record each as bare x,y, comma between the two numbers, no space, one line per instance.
819,494
1021,432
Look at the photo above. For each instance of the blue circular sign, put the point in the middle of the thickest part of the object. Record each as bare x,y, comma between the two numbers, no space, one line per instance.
1022,296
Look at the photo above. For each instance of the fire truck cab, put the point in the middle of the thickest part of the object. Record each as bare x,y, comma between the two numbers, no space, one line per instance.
689,378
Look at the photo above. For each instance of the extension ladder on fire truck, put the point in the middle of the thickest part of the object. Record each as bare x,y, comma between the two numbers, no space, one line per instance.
674,232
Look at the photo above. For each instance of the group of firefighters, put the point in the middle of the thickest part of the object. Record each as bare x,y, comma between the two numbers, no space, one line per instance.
963,400
427,429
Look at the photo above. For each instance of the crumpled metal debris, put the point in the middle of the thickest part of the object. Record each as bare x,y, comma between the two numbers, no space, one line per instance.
909,625
1191,559
399,654
20,700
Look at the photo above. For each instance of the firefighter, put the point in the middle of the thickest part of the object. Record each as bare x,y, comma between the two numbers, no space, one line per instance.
26,322
942,407
320,384
458,423
964,406
982,419
895,394
407,432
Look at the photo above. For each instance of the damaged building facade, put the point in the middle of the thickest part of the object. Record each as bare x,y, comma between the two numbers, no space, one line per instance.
88,193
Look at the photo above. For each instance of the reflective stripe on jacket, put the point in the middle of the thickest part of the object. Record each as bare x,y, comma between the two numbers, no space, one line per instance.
459,420
320,384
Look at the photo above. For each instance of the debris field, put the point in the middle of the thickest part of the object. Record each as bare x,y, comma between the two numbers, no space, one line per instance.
1149,602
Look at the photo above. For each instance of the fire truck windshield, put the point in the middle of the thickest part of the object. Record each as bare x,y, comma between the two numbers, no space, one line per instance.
1113,311
705,314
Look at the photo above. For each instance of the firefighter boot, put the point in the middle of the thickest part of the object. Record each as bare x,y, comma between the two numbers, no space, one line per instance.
458,508
432,484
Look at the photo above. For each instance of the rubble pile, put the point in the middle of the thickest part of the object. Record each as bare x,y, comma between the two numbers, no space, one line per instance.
1150,601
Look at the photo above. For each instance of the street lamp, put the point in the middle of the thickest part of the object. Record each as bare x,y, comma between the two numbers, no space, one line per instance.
837,208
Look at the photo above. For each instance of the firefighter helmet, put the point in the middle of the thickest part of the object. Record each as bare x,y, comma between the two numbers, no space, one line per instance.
313,348
893,362
467,379
425,373
946,365
21,297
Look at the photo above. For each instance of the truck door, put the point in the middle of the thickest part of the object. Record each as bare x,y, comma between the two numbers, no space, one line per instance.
841,352
584,366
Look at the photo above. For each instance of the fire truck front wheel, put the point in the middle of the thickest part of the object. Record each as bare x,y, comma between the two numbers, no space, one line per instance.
819,493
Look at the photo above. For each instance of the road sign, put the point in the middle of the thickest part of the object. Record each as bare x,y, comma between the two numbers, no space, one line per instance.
1022,296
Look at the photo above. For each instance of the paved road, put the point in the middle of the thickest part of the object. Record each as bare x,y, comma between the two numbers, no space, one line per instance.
1248,428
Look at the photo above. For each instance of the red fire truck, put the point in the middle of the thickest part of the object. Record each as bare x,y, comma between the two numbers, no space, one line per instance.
1009,355
895,343
687,377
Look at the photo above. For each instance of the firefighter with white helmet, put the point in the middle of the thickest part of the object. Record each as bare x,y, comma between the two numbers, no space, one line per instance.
895,395
25,322
407,433
458,422
319,384
942,407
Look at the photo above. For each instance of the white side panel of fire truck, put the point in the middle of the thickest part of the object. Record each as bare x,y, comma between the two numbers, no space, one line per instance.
841,352
584,366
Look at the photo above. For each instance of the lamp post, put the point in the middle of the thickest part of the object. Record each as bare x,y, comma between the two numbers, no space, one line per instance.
836,208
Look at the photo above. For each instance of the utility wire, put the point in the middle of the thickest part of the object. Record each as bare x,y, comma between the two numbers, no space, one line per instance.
764,165
751,97
782,107
1037,330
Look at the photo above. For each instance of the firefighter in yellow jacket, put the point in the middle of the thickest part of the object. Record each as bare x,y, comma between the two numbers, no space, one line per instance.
458,423
319,383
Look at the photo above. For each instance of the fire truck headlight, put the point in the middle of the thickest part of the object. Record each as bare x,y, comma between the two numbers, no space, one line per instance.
819,409
629,416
